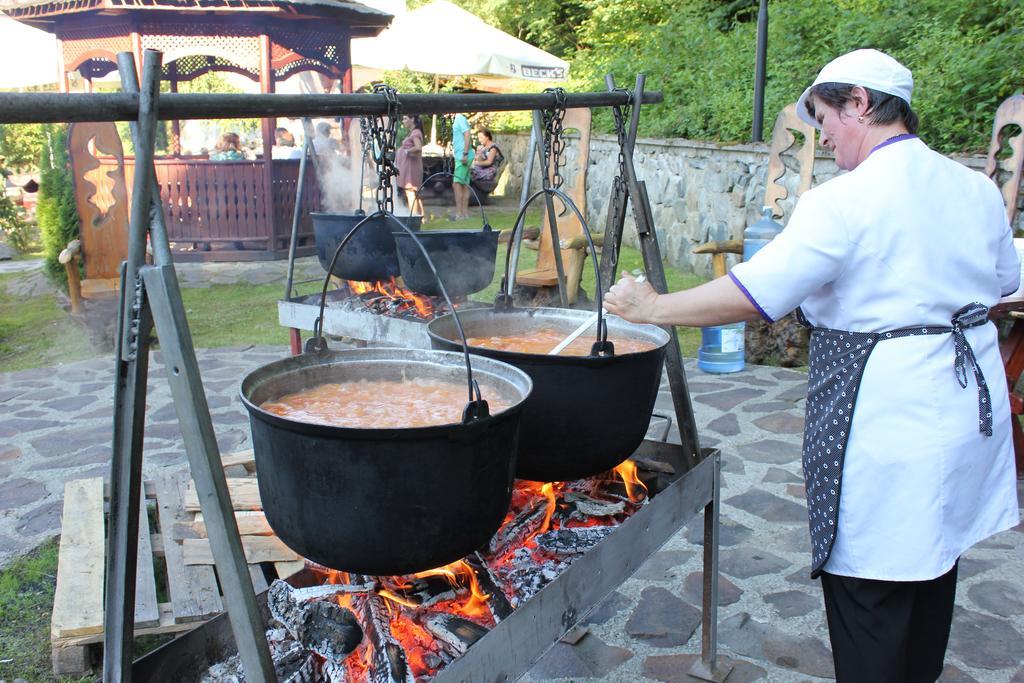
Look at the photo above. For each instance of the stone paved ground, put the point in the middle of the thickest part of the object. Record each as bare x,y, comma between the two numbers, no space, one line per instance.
55,425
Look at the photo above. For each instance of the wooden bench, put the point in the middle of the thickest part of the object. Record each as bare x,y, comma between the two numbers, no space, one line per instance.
174,561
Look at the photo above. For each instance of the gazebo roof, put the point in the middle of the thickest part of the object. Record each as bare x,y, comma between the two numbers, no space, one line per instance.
47,14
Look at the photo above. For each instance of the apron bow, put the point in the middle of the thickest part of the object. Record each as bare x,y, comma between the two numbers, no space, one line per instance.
971,315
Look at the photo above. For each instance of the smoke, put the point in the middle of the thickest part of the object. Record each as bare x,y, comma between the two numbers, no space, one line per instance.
340,184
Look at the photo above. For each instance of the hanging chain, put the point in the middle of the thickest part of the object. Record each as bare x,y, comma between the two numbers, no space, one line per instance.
383,132
621,114
554,145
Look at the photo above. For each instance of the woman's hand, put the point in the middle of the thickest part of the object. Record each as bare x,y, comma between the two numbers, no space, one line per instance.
632,300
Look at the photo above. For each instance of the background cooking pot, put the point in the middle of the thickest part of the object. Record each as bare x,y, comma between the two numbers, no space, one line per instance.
586,413
370,255
464,260
384,501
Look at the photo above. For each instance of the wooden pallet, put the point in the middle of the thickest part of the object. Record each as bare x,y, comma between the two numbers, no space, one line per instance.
174,556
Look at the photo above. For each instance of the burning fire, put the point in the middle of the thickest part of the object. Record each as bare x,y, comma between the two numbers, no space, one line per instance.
399,298
554,508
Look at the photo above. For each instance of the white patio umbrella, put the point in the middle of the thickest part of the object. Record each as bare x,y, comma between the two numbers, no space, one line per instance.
31,56
446,40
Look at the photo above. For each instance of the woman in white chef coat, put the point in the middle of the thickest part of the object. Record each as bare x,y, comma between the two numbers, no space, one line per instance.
907,457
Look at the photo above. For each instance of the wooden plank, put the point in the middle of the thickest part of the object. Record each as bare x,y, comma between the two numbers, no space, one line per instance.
193,589
244,458
147,613
166,625
244,492
538,278
250,523
257,549
286,569
78,600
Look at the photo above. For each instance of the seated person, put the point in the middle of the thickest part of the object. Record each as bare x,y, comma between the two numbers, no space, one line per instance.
284,145
488,160
228,148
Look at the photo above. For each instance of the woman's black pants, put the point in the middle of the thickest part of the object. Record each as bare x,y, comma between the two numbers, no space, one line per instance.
888,631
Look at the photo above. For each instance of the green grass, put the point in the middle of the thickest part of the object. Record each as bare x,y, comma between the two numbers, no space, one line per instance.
26,600
36,331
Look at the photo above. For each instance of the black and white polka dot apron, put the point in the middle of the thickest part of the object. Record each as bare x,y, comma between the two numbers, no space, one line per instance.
837,359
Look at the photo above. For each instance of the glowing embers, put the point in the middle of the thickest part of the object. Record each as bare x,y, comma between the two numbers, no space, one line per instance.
413,626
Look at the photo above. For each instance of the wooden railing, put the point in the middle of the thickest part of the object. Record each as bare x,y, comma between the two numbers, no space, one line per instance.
225,201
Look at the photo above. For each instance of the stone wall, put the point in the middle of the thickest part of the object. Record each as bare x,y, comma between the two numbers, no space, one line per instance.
699,191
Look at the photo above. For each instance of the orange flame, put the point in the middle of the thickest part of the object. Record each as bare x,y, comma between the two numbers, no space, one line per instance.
385,593
391,289
548,491
627,472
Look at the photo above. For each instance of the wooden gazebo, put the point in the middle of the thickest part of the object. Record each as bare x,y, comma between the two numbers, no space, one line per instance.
231,210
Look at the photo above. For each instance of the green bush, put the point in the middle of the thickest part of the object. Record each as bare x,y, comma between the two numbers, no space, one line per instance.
55,207
13,226
20,144
965,57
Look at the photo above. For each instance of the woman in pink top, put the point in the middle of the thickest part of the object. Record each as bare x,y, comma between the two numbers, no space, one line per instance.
409,159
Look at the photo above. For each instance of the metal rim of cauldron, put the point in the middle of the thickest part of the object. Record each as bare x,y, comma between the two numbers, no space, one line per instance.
314,478
292,364
572,317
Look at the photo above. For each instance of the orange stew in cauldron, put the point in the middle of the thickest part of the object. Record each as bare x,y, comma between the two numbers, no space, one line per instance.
381,404
545,339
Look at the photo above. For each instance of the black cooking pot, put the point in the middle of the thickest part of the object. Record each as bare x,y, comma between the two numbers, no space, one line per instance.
586,413
370,257
384,501
391,500
464,259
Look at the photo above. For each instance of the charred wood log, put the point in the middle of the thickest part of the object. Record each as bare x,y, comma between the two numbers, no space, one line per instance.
497,602
457,634
301,595
524,575
389,664
326,628
573,541
593,507
519,529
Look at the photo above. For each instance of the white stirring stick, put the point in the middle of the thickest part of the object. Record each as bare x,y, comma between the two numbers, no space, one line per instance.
582,328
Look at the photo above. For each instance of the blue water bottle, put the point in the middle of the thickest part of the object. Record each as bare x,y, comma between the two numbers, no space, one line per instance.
760,233
721,348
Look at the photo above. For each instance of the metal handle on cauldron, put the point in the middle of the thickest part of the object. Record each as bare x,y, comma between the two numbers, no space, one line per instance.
601,347
477,407
483,216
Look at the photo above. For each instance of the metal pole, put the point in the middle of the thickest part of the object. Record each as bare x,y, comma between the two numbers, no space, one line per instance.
531,149
142,185
158,225
300,188
617,206
58,107
707,667
208,473
552,215
651,251
759,70
134,325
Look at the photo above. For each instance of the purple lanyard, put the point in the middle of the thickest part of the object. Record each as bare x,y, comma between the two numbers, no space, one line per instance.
893,139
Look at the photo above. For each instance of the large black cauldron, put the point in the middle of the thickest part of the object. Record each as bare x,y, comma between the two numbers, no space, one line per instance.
384,501
464,260
586,413
370,255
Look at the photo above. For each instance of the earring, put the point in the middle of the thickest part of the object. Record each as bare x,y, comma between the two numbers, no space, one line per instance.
860,119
